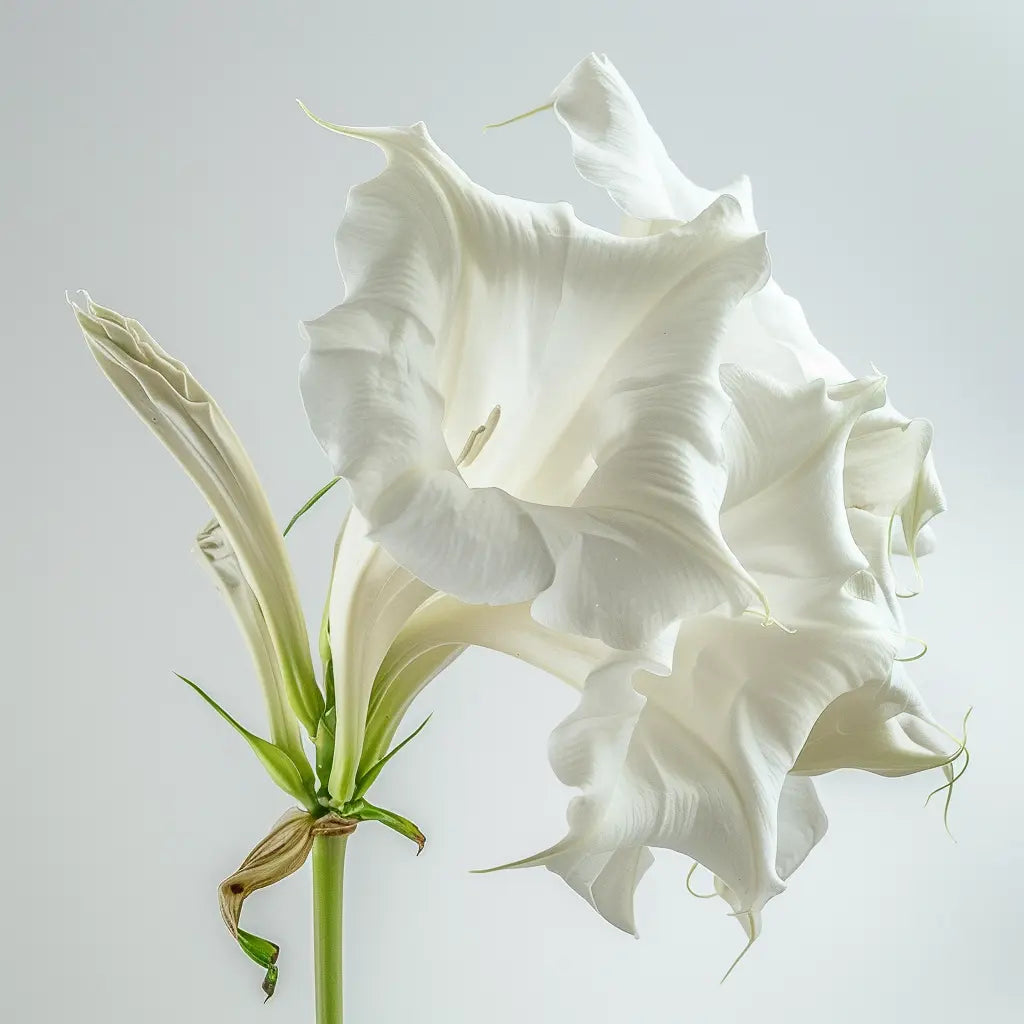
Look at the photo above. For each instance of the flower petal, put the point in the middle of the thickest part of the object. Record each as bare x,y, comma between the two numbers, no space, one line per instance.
872,535
885,729
801,826
443,623
607,881
615,148
784,513
461,303
371,597
890,469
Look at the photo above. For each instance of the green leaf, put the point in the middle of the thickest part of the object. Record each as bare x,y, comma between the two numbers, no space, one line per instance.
263,952
362,810
369,777
280,767
309,504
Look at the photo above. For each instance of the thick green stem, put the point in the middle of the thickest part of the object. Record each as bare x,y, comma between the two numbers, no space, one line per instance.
328,886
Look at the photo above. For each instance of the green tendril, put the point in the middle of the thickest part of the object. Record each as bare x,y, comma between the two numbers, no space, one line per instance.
693,892
919,655
953,774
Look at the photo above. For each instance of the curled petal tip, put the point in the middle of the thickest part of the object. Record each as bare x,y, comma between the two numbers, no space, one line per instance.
521,117
340,129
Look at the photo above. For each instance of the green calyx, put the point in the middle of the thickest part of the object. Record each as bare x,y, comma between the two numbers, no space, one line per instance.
363,810
357,806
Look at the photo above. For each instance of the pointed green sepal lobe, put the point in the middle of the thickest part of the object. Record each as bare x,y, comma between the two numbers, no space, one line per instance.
362,810
329,683
369,777
278,764
270,981
264,953
325,744
309,504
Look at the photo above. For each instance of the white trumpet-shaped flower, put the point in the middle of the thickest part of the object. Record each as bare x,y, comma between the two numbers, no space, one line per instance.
243,546
595,493
526,408
626,459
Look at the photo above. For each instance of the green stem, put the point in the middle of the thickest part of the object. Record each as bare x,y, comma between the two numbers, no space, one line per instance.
328,885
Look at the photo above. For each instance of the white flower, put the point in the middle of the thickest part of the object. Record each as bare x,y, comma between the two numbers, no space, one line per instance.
246,552
600,452
597,484
526,408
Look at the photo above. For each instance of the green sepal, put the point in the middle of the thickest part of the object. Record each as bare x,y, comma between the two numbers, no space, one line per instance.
264,953
270,981
309,504
324,639
369,777
329,684
362,810
325,744
325,633
278,764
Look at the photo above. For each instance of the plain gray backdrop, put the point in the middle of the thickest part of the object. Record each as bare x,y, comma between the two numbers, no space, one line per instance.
153,153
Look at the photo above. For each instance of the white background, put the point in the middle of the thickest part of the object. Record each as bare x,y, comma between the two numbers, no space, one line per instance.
153,153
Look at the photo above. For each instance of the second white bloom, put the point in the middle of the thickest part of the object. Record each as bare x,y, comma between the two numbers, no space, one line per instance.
620,458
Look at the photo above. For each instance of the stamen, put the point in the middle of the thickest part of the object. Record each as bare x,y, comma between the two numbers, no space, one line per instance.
767,619
478,438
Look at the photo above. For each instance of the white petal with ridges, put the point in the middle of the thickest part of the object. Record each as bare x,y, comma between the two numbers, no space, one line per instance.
616,148
802,824
602,355
885,729
699,761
